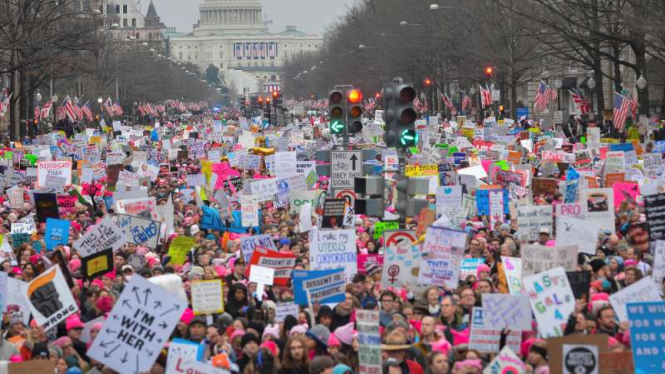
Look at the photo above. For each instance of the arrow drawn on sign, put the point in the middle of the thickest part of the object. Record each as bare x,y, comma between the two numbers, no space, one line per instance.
108,354
137,365
353,158
163,325
158,304
124,359
106,344
147,292
126,303
111,331
175,307
136,292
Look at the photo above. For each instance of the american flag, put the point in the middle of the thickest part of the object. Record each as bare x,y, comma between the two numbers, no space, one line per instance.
46,110
420,106
370,105
485,96
544,95
5,97
108,105
466,101
582,104
622,105
77,111
447,101
117,109
69,108
38,113
61,113
87,111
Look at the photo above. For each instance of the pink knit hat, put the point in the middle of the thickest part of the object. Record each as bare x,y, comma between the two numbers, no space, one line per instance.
442,345
298,329
271,330
333,341
460,337
237,334
345,333
187,316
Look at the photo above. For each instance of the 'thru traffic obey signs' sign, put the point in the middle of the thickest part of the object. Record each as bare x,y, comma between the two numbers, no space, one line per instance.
345,165
139,324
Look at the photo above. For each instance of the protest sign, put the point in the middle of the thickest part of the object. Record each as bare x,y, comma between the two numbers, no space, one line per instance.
282,263
3,292
441,257
47,206
249,243
323,286
658,270
285,163
506,362
551,299
512,267
369,339
537,258
66,203
333,213
97,264
16,200
26,225
598,206
139,230
483,201
298,198
654,208
31,367
262,276
286,309
531,219
207,296
143,207
250,210
507,311
615,162
19,239
485,337
196,367
334,249
382,226
399,264
643,290
51,301
179,248
448,197
557,353
105,234
181,350
580,281
578,357
616,362
263,190
647,335
18,304
469,266
576,233
57,233
137,327
58,169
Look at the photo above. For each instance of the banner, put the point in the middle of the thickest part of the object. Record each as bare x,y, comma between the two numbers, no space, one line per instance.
531,219
369,339
486,338
58,169
537,258
249,243
643,290
139,230
57,232
137,327
551,299
51,301
324,286
576,232
506,362
250,210
105,234
441,257
598,206
207,296
334,249
507,311
512,267
283,263
647,335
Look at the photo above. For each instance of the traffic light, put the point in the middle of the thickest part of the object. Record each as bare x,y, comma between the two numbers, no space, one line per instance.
372,190
428,82
400,116
268,101
336,111
407,188
489,72
355,110
254,103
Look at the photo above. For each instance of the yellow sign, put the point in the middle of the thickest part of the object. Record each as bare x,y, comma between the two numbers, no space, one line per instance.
207,296
467,132
420,170
179,248
609,140
97,264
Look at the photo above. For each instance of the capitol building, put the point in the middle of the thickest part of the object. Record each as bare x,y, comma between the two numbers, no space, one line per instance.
233,36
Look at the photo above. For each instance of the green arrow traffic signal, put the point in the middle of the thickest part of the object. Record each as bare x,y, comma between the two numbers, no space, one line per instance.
337,127
408,138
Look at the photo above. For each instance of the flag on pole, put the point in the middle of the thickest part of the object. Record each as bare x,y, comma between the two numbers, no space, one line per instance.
485,96
108,105
5,98
69,108
46,109
621,107
582,104
447,102
466,101
117,109
87,111
543,96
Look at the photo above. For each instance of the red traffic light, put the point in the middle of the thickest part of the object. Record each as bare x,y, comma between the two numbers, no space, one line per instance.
260,99
267,99
377,95
489,72
275,94
335,97
428,82
355,96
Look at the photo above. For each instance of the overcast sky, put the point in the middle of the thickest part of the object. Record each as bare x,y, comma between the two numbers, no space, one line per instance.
310,16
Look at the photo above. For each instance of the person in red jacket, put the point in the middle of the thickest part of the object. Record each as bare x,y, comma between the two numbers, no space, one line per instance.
394,351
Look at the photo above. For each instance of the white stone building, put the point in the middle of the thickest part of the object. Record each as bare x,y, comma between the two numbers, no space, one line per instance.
232,35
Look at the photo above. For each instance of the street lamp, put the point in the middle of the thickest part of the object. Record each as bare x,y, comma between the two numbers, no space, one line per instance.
558,83
434,7
591,83
641,86
404,23
100,101
641,82
38,97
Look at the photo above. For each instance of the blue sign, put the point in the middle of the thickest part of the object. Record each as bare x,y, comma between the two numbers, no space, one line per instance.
483,202
626,147
647,336
57,232
522,112
458,157
323,286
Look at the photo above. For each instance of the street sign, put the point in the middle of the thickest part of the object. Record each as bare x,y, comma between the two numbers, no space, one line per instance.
346,165
558,116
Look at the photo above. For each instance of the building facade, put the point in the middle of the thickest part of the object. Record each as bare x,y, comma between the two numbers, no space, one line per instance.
232,36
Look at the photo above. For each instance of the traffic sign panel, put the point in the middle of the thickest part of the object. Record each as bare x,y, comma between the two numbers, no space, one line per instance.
346,165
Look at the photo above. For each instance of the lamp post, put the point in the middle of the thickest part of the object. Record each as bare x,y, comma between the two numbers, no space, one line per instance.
38,101
641,86
558,83
591,83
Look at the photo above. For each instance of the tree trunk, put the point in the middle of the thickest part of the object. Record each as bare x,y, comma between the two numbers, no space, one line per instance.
618,86
513,99
639,48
